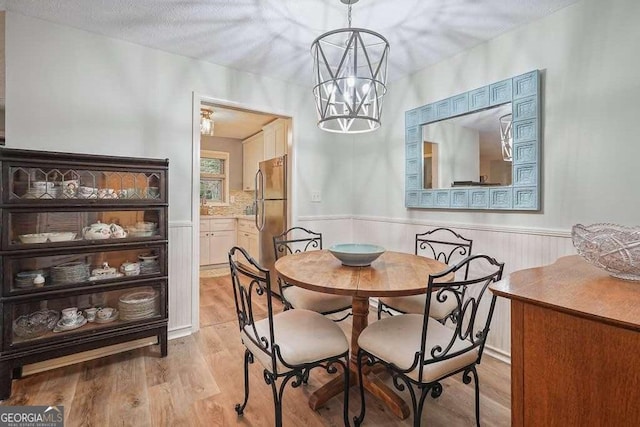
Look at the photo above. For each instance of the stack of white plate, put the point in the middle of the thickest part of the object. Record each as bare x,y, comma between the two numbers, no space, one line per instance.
139,304
24,279
70,272
149,267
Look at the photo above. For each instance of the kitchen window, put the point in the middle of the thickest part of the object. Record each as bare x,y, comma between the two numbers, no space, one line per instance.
214,178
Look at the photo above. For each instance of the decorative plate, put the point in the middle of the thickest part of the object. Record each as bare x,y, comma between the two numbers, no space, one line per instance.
61,326
113,317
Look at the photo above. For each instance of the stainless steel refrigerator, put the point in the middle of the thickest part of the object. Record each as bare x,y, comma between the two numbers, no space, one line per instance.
271,208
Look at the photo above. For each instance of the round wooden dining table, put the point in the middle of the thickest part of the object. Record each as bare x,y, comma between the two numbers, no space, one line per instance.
392,274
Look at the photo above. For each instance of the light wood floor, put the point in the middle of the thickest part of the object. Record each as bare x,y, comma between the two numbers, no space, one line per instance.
201,380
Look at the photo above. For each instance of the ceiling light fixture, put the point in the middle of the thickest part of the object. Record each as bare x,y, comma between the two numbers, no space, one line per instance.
506,137
350,73
206,123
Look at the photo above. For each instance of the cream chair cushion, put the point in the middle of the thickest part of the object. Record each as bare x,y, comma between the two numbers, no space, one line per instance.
315,301
303,336
396,340
414,304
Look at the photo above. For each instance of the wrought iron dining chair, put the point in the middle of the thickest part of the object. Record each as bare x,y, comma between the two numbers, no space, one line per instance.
287,344
444,245
295,240
426,351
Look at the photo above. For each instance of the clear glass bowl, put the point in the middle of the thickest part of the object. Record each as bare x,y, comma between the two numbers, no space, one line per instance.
614,248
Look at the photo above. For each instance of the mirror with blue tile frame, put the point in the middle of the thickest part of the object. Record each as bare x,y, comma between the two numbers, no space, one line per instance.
476,150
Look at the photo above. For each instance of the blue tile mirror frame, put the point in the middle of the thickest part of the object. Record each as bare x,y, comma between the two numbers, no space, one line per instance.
523,92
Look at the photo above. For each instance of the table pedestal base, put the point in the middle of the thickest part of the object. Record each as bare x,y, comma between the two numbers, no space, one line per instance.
372,384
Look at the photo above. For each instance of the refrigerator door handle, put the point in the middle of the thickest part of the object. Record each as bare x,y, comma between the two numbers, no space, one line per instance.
259,184
259,200
260,212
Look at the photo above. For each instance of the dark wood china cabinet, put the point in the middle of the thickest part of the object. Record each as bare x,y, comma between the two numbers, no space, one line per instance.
83,255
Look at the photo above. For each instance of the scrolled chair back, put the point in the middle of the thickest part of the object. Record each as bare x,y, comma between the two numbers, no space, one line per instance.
295,240
249,283
474,315
444,245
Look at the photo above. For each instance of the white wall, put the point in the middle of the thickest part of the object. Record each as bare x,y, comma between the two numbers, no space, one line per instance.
590,149
71,90
458,152
589,89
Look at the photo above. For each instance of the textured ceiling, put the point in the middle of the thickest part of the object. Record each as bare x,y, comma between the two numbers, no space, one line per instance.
273,37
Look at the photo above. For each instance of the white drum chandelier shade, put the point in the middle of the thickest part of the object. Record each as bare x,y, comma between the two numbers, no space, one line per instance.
350,72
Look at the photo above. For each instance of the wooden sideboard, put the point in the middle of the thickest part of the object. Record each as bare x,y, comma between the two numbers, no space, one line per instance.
575,346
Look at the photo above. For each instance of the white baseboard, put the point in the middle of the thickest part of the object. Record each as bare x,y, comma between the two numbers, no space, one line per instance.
496,353
180,332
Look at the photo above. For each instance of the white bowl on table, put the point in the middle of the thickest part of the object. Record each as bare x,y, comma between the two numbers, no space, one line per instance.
356,254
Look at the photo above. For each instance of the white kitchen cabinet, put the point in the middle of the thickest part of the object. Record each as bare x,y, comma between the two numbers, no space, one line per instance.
248,238
275,138
205,253
252,154
218,237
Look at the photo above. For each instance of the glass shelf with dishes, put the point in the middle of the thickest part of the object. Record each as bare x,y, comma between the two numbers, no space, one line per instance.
69,268
86,313
83,255
39,183
63,227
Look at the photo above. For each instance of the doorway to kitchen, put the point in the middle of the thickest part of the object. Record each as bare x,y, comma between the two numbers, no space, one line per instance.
231,144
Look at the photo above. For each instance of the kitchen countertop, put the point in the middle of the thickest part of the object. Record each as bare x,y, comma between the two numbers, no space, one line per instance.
251,217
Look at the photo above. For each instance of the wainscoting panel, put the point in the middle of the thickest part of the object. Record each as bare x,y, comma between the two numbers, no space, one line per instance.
518,248
180,275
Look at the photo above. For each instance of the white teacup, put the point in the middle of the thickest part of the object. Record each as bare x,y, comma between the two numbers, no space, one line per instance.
70,187
70,315
91,314
105,313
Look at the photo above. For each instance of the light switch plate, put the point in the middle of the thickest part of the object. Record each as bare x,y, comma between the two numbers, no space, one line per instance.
316,197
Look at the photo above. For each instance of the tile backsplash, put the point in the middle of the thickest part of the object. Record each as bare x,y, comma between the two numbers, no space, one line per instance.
242,200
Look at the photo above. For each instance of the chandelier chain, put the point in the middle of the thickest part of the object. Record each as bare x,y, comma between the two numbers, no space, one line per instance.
349,14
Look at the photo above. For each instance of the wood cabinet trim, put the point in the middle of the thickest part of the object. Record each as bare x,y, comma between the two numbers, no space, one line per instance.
571,285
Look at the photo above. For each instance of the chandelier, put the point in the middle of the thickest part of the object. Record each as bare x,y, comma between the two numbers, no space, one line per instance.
206,123
350,74
506,137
